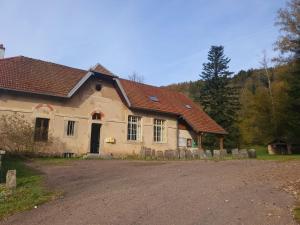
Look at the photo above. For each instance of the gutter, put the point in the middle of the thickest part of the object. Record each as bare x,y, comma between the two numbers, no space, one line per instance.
32,92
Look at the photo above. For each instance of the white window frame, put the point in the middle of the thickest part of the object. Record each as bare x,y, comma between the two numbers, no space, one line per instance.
134,123
159,131
71,128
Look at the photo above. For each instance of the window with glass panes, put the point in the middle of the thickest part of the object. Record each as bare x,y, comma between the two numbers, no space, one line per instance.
41,129
159,130
134,128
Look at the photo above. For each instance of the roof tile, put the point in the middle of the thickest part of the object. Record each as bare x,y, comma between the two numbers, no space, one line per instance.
40,77
101,69
170,102
35,76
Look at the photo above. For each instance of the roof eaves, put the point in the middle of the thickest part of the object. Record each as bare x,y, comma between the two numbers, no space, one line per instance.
122,91
193,127
32,92
155,110
79,84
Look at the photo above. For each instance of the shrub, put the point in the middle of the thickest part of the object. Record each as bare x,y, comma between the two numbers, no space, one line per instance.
17,135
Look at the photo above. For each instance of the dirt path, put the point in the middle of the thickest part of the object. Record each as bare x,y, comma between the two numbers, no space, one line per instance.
193,192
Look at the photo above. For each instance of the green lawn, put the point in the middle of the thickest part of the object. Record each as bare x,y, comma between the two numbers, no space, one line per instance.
56,160
29,193
262,154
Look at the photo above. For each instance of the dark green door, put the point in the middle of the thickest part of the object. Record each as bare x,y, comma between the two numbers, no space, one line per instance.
95,138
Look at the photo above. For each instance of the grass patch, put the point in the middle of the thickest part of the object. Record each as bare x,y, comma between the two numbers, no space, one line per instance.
30,191
56,161
262,153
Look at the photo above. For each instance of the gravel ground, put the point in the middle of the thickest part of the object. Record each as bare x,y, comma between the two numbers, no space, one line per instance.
190,192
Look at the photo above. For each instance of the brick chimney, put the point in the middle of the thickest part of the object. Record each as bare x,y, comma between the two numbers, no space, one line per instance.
2,51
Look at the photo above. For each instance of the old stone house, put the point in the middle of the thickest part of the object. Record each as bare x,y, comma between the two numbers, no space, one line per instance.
95,111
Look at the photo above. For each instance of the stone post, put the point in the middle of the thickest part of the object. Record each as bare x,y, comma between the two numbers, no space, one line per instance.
11,179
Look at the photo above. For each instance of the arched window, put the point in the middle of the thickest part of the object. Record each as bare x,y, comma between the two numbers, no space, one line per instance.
96,116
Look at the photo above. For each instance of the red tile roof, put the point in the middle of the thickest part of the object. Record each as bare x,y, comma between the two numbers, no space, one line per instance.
170,102
101,69
35,76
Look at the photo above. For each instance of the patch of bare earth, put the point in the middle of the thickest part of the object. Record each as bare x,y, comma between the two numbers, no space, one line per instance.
190,192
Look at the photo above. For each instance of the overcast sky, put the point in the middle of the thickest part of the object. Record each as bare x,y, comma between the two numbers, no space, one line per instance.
166,41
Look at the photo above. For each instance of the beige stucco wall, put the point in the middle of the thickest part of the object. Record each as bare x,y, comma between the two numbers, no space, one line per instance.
183,135
79,108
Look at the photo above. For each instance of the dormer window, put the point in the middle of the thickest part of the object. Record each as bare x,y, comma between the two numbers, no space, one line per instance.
153,98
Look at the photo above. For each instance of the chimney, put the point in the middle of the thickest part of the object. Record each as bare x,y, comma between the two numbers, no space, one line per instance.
2,51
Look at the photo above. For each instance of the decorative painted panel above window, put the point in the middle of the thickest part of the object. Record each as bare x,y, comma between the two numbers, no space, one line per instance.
70,128
134,128
159,131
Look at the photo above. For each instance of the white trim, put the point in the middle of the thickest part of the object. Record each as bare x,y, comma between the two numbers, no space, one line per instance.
122,91
139,135
164,129
79,84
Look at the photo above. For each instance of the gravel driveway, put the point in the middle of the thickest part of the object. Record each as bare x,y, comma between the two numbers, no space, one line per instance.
191,192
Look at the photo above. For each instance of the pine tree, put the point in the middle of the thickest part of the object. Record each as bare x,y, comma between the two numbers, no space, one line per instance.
217,97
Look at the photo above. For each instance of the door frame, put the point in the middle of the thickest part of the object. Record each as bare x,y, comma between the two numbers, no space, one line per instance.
90,142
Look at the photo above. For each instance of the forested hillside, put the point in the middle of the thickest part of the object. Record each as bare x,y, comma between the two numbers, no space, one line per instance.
258,105
257,123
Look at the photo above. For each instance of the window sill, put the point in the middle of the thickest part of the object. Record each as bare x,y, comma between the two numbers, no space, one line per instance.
70,137
134,142
160,143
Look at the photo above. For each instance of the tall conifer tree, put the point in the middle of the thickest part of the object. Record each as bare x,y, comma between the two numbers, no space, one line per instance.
217,97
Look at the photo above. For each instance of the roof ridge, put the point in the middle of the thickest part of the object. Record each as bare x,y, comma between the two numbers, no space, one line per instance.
99,64
12,57
153,86
173,102
44,61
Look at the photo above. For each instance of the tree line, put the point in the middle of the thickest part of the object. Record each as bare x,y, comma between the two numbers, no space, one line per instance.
257,105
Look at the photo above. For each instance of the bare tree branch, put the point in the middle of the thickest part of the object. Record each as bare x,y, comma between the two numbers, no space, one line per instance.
136,77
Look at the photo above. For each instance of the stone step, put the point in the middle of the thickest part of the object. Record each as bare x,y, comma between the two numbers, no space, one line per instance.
92,156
